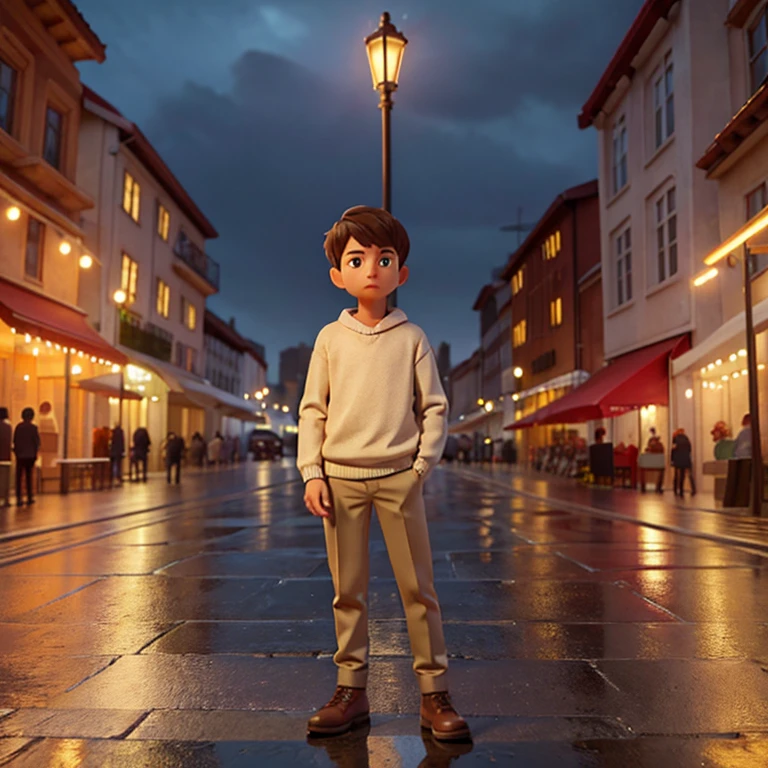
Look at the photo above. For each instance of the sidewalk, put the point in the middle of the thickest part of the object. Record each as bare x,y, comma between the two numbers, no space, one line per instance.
695,517
52,511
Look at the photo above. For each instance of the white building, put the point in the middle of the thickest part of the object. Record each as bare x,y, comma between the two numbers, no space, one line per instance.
148,238
663,96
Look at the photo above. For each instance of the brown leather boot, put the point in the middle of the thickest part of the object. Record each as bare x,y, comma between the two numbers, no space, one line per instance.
348,708
438,714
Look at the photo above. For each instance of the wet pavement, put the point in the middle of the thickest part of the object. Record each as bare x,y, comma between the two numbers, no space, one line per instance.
196,631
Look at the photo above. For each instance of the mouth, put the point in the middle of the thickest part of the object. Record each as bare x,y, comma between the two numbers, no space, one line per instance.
371,285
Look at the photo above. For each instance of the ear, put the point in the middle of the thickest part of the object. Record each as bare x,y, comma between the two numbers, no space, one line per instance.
336,278
403,278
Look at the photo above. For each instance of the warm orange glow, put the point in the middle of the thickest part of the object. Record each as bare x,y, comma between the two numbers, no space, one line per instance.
385,49
13,213
86,261
119,296
754,226
65,247
705,277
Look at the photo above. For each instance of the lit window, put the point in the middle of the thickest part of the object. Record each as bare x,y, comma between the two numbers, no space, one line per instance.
131,196
664,102
518,334
517,281
192,317
163,221
556,312
623,243
129,277
758,49
666,235
163,298
551,246
619,154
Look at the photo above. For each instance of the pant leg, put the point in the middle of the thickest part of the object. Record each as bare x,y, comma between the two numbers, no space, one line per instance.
29,465
19,473
178,472
691,480
678,480
346,540
143,465
400,509
168,466
5,483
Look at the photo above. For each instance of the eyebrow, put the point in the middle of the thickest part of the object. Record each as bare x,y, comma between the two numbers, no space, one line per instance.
358,252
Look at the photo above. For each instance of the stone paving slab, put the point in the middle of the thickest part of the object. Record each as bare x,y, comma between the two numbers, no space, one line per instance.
483,688
174,531
30,681
245,564
691,696
365,751
21,594
10,747
517,564
155,599
70,724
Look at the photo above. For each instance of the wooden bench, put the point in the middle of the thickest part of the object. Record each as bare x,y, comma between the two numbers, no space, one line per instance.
98,471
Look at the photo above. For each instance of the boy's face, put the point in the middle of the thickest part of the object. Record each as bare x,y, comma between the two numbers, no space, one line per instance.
368,273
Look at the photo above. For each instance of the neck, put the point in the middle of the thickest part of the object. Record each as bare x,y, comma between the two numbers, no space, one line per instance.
371,313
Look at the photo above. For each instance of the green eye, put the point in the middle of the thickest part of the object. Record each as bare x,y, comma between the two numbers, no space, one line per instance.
385,261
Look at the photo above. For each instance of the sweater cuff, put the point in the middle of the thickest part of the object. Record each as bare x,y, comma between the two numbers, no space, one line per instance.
312,472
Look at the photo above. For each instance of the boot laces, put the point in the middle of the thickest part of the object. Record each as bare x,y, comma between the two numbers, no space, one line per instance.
343,695
442,701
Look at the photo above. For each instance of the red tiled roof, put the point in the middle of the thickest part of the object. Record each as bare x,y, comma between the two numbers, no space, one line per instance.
148,155
621,63
747,120
580,192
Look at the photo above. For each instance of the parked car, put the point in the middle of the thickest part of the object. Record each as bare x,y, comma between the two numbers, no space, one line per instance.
265,444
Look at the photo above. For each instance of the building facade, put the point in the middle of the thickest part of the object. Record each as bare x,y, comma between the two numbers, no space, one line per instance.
556,309
711,380
294,364
47,348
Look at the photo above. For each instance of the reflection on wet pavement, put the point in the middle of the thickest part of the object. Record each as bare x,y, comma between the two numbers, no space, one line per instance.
202,636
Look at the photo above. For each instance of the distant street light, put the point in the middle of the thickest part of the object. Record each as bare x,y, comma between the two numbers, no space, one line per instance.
518,372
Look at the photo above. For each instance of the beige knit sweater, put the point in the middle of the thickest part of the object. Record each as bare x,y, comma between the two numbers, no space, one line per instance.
373,403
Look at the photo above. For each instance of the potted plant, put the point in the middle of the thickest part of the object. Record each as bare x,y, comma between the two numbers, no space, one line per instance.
723,446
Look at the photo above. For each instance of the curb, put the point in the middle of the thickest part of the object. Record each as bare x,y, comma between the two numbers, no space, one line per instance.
721,538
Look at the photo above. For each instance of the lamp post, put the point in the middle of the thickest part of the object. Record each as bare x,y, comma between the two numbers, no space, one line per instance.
119,297
385,49
755,226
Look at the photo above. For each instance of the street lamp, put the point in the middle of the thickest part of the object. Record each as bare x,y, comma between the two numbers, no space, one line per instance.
119,297
755,226
385,49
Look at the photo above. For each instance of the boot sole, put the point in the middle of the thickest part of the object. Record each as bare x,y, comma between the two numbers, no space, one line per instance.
461,735
337,730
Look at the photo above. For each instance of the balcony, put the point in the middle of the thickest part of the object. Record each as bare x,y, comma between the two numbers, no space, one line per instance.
196,267
149,340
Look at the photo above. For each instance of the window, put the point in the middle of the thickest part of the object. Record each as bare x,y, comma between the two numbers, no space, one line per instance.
551,246
756,201
518,334
619,154
623,243
163,221
664,102
556,312
163,298
517,281
188,314
8,78
758,50
33,253
54,125
129,276
131,196
666,236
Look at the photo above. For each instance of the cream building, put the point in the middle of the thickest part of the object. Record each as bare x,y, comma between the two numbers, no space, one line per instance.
149,239
47,348
665,93
735,166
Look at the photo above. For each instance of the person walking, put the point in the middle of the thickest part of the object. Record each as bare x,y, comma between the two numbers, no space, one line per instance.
141,444
681,461
214,449
117,452
6,441
656,446
26,444
174,452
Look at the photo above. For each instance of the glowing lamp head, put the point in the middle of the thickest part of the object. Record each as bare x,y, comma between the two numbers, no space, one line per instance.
86,261
385,49
518,372
65,247
120,296
13,213
488,406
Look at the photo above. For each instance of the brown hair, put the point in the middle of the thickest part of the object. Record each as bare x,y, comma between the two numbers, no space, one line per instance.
369,226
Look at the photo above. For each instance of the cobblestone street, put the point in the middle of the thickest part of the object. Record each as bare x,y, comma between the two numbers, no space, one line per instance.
200,634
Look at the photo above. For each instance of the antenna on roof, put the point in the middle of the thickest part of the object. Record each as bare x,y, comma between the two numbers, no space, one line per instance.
519,227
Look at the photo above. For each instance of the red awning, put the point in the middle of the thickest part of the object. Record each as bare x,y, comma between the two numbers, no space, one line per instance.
37,315
631,381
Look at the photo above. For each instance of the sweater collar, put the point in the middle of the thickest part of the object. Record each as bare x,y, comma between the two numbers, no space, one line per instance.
391,320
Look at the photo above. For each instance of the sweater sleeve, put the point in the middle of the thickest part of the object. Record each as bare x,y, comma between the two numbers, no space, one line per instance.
431,409
313,413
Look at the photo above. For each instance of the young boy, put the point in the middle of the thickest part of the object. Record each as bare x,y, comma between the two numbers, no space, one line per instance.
372,424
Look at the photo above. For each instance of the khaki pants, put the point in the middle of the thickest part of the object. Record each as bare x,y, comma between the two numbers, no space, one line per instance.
400,509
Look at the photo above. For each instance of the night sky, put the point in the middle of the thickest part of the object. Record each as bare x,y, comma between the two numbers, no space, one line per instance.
266,113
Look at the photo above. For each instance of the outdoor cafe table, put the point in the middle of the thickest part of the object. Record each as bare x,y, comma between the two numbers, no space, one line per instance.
96,468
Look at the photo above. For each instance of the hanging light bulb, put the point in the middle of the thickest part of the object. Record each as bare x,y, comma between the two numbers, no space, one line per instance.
65,247
13,213
86,261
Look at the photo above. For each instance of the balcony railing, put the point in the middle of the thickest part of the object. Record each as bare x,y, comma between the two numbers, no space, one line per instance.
150,340
198,260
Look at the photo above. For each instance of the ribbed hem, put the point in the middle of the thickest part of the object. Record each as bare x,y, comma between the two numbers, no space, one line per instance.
312,473
347,472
